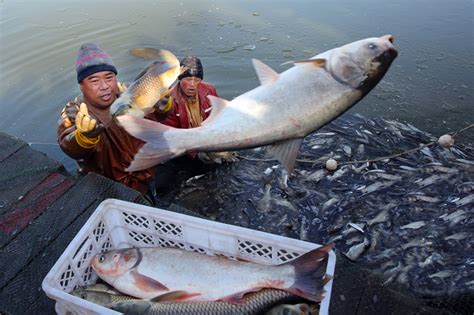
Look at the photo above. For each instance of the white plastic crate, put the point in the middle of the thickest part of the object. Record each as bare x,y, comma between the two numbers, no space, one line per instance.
120,224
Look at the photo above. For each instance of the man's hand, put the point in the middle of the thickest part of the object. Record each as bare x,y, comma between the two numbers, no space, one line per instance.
87,125
217,157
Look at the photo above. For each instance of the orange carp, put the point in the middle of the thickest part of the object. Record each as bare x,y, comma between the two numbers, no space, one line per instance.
150,86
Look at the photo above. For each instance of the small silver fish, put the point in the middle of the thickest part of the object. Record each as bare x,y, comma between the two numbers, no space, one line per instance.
441,274
316,176
380,218
417,243
458,236
329,203
376,186
304,229
421,197
433,179
438,167
466,200
374,240
357,250
455,217
347,150
287,204
413,225
264,204
359,228
355,239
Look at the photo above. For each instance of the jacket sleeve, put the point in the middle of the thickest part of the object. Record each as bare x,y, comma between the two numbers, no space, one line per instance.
172,119
67,137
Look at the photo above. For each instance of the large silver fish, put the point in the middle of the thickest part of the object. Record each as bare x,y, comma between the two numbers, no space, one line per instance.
181,275
280,112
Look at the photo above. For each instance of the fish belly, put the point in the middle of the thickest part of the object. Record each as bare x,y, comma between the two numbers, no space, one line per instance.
300,101
209,278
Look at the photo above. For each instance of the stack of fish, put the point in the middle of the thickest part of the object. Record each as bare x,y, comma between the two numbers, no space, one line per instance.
176,281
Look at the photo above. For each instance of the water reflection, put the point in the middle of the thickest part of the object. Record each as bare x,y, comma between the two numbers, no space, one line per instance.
429,85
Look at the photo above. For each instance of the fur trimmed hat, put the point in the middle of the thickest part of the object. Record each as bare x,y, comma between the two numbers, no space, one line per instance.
92,59
194,66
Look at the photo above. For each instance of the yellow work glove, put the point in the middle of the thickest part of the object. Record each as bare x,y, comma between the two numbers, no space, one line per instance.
164,105
87,129
217,157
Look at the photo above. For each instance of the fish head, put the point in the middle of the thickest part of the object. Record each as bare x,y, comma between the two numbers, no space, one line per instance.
290,309
115,263
362,64
95,297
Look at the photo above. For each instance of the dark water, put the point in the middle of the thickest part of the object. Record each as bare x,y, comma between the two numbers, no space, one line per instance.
430,84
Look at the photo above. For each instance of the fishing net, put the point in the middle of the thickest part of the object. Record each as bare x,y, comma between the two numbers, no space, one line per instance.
411,198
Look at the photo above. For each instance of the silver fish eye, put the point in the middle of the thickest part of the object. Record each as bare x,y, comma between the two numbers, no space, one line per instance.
372,46
101,258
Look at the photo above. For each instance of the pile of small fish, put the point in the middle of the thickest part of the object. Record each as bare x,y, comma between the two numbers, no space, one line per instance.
408,218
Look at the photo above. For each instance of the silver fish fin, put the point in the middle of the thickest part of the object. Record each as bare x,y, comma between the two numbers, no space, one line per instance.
286,152
238,298
156,149
265,73
177,296
146,283
310,273
319,62
217,105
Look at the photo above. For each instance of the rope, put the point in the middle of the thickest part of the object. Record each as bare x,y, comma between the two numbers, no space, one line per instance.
452,134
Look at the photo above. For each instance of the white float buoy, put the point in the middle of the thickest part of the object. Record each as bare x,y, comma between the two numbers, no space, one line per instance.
331,164
446,141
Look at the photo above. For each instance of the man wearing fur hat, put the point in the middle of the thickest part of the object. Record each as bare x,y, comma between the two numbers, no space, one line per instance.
190,108
191,105
86,131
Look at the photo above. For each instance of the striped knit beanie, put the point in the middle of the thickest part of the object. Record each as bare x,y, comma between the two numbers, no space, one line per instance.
92,59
